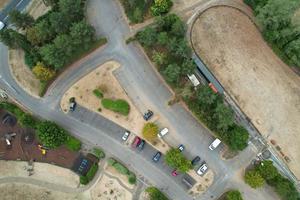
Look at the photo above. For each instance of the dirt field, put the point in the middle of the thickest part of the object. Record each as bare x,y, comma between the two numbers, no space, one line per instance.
30,192
103,77
3,3
203,182
265,88
37,8
109,189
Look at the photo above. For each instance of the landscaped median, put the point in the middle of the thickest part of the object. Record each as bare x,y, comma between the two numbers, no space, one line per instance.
122,170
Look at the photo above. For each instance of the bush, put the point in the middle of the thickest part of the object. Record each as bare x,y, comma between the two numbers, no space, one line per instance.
150,131
156,194
254,179
73,143
111,161
91,173
175,159
233,195
98,153
132,178
161,7
83,180
119,106
121,168
98,93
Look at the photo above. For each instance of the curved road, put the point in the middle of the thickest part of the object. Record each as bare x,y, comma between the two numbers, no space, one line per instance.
146,90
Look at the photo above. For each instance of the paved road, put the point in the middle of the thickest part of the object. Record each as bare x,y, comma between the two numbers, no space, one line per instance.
14,4
146,90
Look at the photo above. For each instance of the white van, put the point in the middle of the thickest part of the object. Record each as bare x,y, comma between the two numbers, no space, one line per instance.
163,132
214,144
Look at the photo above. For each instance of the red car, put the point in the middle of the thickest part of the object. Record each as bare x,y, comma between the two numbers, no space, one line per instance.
137,140
174,173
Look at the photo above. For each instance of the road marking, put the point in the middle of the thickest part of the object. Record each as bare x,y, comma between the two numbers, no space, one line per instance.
19,3
6,17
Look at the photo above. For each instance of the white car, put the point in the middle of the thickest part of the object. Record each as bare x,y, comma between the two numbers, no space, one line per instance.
163,132
126,135
202,169
2,25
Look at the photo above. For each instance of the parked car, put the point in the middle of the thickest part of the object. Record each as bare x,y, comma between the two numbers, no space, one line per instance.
125,135
196,160
72,104
202,169
137,140
2,25
156,156
148,115
174,173
163,132
141,146
181,148
214,144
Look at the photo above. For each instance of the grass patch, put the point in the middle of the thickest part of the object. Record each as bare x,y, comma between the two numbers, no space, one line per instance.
119,106
73,144
98,153
98,93
155,194
122,170
90,174
43,88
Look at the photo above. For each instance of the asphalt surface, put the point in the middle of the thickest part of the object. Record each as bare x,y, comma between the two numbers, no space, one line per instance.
14,4
147,91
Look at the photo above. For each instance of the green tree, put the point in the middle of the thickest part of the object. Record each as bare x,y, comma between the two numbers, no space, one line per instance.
52,56
50,134
52,3
44,32
159,58
162,38
155,194
72,10
188,67
286,189
31,58
161,7
172,73
175,159
267,170
137,15
150,131
233,195
58,24
82,35
206,98
254,179
237,138
178,28
223,116
26,120
14,40
147,37
43,73
21,20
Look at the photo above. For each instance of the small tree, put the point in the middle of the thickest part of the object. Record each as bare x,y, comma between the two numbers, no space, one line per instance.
147,37
161,7
159,58
155,194
237,138
233,195
254,179
50,134
174,158
267,170
150,131
43,73
21,20
172,73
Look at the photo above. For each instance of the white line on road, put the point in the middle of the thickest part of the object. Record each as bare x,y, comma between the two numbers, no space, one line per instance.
19,3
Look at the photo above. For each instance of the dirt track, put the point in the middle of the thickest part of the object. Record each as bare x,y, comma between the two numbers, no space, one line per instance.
266,89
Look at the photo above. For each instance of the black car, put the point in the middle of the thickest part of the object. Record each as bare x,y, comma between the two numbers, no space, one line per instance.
156,157
196,160
72,104
141,145
148,115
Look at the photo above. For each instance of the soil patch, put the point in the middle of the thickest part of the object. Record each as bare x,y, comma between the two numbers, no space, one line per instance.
103,78
265,88
3,3
37,8
203,182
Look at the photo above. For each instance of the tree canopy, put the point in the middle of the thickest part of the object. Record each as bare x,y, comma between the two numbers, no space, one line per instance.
174,158
254,179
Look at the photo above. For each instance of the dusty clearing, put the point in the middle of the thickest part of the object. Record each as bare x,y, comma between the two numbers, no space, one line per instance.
30,192
265,88
37,8
3,3
203,182
22,73
103,77
41,171
108,188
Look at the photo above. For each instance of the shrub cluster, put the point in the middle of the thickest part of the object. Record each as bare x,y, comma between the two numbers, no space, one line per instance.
119,106
98,153
122,170
155,194
90,174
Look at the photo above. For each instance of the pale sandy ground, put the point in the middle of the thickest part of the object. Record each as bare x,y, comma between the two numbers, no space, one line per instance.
42,171
264,87
22,74
123,178
103,77
3,3
109,189
29,192
203,182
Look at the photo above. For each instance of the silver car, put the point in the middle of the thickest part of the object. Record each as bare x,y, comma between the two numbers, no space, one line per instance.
202,169
2,25
126,135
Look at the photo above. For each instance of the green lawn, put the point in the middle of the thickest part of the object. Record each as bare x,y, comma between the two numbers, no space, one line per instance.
98,93
120,106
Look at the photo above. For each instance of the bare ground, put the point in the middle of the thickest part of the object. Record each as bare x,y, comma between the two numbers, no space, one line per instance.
22,74
265,88
3,3
203,182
